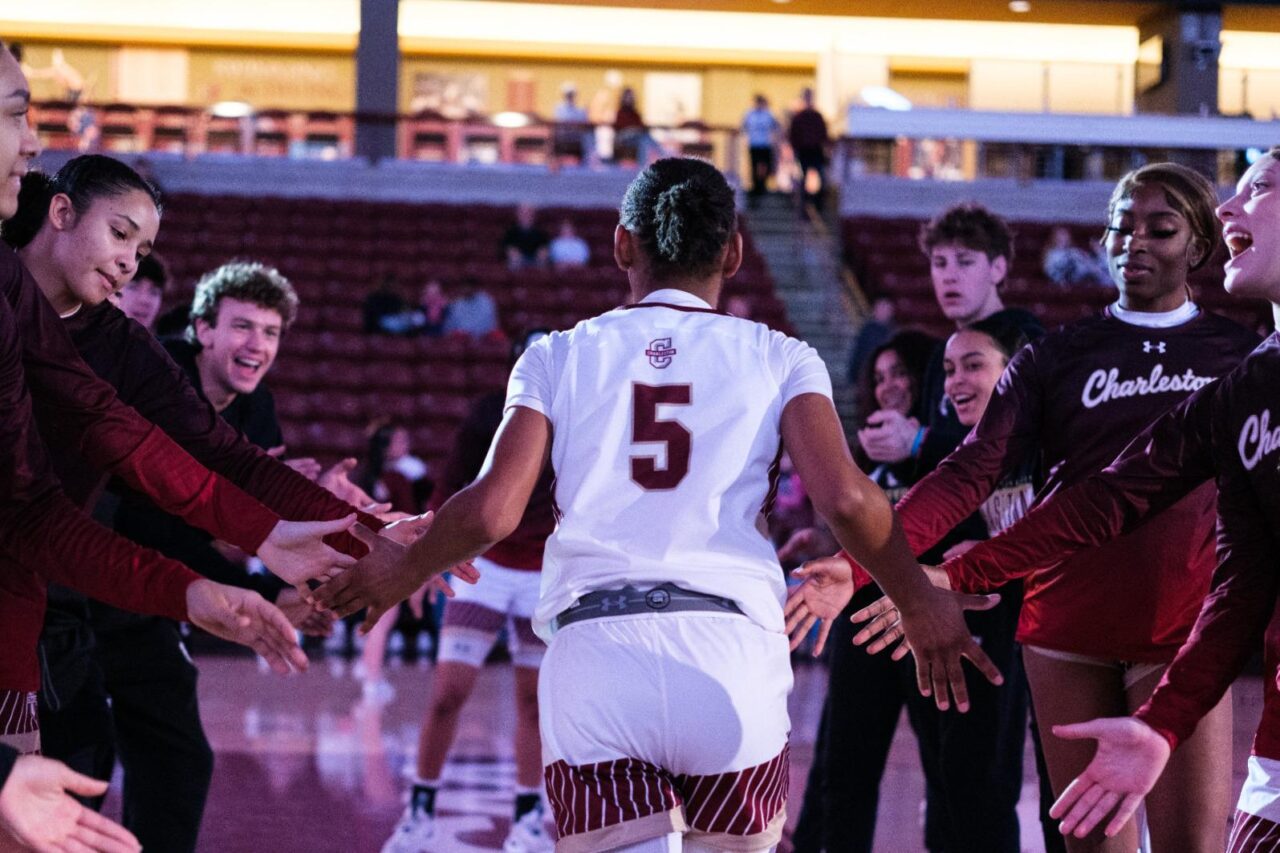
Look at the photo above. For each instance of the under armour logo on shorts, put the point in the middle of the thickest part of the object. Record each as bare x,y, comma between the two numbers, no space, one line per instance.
660,352
1158,346
613,602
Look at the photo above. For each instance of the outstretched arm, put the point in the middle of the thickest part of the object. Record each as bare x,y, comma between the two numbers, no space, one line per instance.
1006,435
1166,462
1132,751
468,524
864,524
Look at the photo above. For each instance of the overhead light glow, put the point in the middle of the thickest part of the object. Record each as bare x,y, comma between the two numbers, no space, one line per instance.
884,98
1021,7
231,109
510,119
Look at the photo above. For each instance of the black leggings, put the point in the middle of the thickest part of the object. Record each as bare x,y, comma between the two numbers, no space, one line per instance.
972,762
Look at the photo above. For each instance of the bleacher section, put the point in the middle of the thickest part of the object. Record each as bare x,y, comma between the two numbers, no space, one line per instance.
884,256
331,379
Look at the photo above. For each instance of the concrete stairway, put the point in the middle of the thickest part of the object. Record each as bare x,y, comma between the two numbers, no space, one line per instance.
804,260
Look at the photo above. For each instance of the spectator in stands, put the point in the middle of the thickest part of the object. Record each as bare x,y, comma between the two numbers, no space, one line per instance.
1066,263
393,475
875,330
140,299
385,311
568,249
434,307
809,141
573,135
631,136
761,130
473,313
525,244
601,111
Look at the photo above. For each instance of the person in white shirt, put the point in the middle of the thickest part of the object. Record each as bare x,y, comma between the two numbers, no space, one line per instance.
568,249
663,692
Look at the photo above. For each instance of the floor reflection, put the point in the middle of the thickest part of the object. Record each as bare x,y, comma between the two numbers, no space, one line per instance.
306,764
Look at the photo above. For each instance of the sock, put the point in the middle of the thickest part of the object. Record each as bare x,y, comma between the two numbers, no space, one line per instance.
423,799
527,800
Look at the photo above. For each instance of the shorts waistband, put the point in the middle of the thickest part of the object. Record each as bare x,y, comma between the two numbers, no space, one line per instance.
664,598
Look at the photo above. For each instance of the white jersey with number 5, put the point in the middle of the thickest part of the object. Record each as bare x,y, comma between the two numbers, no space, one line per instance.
665,427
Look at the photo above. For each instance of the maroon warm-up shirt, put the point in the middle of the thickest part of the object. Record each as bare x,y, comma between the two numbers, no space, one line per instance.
1080,394
43,535
1228,432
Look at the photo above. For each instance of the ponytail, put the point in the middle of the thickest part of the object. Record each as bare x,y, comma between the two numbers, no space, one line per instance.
84,180
33,206
681,211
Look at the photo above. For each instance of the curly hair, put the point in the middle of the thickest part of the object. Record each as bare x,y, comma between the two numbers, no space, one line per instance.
247,281
969,225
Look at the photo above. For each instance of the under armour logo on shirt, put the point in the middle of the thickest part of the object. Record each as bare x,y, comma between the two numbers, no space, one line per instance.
660,352
1158,346
614,602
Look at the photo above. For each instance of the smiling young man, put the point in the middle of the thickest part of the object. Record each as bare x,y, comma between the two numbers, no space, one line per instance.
969,250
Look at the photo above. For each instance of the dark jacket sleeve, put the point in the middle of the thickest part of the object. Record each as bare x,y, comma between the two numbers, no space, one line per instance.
1168,461
1232,622
113,436
161,392
41,530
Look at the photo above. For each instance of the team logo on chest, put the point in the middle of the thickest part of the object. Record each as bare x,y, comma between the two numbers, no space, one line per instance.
1154,346
1257,439
660,353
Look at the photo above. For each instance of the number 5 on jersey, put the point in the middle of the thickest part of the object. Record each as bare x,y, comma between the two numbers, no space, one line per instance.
647,428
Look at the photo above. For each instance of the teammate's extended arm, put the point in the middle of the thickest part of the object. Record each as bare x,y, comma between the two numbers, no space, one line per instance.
1132,751
469,523
89,416
1168,460
1002,439
863,522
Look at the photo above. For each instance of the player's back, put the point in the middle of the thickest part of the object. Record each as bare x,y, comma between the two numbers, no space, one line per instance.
665,421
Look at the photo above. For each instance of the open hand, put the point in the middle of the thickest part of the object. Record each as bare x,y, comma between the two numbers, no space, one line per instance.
246,618
304,617
37,810
406,529
306,466
379,581
885,623
295,551
825,591
337,479
1130,757
935,631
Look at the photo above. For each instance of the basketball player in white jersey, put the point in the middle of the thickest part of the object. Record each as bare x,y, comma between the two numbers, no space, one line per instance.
663,691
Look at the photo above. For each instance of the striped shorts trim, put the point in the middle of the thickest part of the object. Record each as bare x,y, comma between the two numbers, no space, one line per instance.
18,714
614,803
19,721
1253,834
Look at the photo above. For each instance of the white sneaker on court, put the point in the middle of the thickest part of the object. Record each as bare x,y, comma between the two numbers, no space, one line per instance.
528,835
413,833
